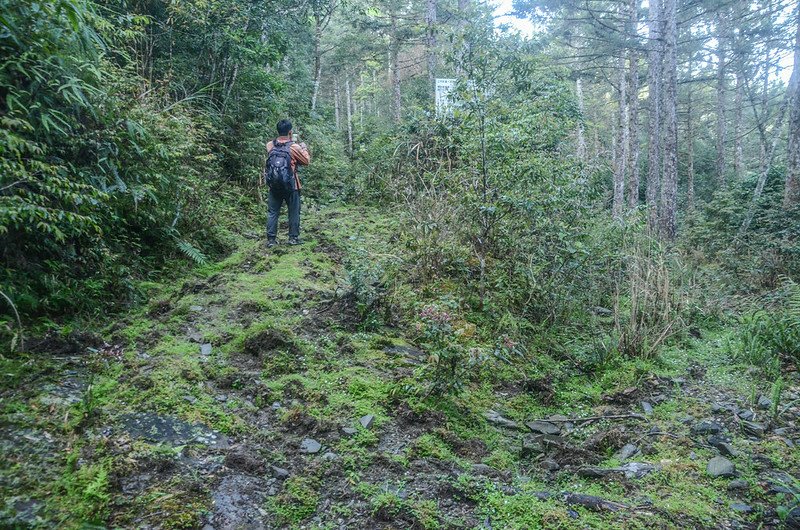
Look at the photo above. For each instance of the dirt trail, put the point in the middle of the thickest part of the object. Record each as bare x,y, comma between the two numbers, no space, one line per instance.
259,394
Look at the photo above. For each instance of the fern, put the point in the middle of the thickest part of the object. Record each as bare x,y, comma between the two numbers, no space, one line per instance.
192,252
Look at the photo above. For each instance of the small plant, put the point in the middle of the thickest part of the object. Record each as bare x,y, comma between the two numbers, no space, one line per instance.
777,391
449,362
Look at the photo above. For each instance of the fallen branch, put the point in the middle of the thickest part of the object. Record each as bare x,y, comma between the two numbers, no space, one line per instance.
590,419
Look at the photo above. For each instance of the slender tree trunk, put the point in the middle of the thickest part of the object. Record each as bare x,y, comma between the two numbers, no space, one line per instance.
721,124
737,126
669,183
336,102
430,20
633,113
689,149
463,5
349,105
621,151
764,145
580,139
394,52
317,59
654,77
791,194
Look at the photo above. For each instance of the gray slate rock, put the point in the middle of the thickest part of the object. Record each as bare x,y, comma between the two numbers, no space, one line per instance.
647,408
706,427
738,485
484,470
366,421
722,445
719,466
280,473
754,429
746,414
543,427
740,507
550,465
764,402
627,451
349,431
497,419
637,469
205,349
310,446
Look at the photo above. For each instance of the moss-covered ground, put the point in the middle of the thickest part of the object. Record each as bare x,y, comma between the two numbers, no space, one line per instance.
193,409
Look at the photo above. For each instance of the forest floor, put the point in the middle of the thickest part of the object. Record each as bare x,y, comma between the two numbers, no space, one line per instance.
252,395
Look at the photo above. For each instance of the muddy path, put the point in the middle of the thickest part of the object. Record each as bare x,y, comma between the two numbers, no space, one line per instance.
265,392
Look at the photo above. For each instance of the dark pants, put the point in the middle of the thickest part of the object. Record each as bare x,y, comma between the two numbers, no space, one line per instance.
275,202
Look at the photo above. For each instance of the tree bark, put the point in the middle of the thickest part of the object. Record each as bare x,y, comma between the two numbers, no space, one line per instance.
394,52
580,139
622,141
791,196
738,150
669,183
721,125
654,79
430,20
317,59
689,149
349,104
336,102
633,113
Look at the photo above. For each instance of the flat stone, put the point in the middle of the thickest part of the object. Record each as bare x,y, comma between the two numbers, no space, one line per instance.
647,407
746,414
366,421
276,405
627,451
280,473
497,419
205,349
738,485
195,336
595,472
782,431
636,469
330,457
349,431
722,445
764,402
719,466
752,428
196,308
550,465
543,427
170,430
740,507
310,446
706,427
190,399
484,470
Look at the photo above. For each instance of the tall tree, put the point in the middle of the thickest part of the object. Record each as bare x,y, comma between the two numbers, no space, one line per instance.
654,81
669,182
791,194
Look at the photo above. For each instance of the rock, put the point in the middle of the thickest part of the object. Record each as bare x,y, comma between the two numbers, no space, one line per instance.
658,398
280,473
740,507
310,446
190,399
719,466
637,469
764,402
746,414
562,421
349,431
543,427
330,457
692,455
782,431
738,485
538,443
647,408
706,427
195,337
495,417
595,472
196,309
484,470
205,349
366,421
792,520
550,465
627,451
221,398
722,445
753,429
276,405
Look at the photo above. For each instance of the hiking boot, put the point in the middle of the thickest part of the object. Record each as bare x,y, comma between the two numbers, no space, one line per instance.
294,241
271,243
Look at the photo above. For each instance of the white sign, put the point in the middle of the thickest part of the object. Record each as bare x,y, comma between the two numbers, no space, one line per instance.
444,95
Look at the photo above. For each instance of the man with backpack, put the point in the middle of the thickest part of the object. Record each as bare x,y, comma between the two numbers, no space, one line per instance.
280,174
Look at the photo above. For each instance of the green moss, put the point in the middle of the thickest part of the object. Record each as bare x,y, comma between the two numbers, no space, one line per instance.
297,502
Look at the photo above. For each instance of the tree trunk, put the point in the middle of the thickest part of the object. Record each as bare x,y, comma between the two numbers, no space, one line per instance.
654,76
633,113
737,126
430,20
463,5
336,102
580,138
317,59
721,125
791,195
622,141
689,149
349,104
669,183
394,52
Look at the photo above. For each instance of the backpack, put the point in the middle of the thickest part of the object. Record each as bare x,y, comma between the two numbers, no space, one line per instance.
278,174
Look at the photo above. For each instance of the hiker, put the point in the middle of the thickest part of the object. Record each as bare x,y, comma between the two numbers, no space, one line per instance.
280,174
